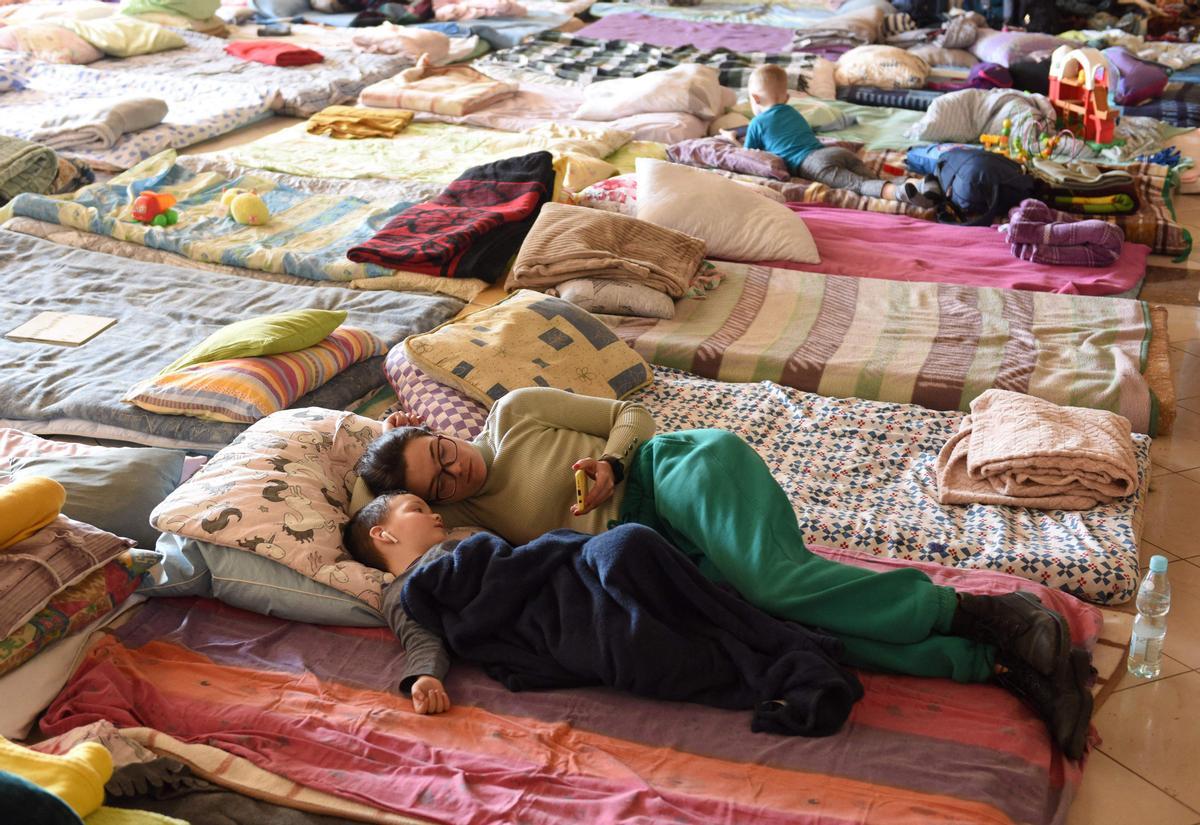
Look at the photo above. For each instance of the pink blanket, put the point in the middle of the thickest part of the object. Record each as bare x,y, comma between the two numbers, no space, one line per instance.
318,706
898,248
663,31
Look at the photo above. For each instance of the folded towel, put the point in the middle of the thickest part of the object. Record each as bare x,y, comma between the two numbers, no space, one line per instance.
1022,451
1044,235
1076,233
353,122
26,506
569,242
98,124
449,90
273,52
473,228
1055,255
25,167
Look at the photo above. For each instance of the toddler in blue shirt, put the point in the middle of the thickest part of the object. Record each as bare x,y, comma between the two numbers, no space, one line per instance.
781,130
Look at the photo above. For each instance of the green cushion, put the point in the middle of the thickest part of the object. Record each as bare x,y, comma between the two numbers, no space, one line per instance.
265,335
121,36
195,9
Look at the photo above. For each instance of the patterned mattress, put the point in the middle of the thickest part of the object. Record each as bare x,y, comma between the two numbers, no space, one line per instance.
199,108
298,91
860,475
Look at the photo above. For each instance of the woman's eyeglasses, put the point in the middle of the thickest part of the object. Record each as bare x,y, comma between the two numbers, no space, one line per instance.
445,451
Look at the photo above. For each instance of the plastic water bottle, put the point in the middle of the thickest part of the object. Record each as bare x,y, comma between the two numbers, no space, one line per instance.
1150,626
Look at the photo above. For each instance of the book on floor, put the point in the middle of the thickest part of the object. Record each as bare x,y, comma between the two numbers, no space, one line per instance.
65,328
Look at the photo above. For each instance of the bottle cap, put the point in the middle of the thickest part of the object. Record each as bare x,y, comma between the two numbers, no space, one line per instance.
1158,564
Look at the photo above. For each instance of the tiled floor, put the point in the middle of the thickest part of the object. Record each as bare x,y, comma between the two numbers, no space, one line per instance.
1145,769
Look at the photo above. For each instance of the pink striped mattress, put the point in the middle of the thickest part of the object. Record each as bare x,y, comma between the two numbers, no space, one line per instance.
899,248
315,705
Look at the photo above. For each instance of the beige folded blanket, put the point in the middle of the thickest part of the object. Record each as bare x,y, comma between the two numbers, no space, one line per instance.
569,242
1021,451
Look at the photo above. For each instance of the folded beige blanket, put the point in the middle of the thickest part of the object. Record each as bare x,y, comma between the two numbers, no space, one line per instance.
447,90
569,242
1021,451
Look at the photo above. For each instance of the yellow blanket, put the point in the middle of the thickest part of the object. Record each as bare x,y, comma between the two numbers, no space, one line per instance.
28,505
354,122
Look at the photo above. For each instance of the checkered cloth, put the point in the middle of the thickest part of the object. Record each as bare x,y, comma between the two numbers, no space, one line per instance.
443,409
1179,105
585,59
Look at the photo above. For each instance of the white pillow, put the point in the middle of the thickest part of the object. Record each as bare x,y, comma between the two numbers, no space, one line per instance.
884,66
688,88
735,221
616,297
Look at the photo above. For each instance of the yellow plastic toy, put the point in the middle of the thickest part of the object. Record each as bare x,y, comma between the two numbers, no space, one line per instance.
999,143
581,487
246,207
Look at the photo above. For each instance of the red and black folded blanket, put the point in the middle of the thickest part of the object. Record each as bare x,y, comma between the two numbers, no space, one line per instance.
273,52
473,229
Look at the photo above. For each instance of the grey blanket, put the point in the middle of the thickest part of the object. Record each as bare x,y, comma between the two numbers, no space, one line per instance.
161,311
98,124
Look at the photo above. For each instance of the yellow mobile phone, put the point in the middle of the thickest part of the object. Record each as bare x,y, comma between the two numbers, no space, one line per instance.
581,487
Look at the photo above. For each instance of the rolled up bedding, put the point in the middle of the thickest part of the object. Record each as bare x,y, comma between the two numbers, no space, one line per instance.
98,125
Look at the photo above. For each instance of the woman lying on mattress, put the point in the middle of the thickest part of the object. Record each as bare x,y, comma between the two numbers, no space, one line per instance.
710,495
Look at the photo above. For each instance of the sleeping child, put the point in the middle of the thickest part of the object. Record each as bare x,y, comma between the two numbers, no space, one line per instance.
781,130
569,610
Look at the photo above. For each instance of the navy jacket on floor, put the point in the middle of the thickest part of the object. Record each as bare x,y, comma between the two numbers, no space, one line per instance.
627,610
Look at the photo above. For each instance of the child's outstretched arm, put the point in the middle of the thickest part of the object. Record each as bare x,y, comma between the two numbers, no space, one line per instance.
429,695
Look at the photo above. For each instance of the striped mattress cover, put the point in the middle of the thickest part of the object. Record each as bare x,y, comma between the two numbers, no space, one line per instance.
936,345
311,713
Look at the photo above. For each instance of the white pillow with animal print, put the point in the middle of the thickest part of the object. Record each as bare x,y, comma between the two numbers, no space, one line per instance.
282,490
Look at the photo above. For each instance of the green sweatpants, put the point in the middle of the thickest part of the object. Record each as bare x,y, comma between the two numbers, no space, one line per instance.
710,494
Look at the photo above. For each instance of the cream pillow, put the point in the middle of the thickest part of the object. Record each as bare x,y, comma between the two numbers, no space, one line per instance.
733,219
528,340
689,88
123,36
884,66
49,42
939,56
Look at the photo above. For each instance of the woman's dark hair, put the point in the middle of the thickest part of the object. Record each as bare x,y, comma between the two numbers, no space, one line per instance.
382,466
357,534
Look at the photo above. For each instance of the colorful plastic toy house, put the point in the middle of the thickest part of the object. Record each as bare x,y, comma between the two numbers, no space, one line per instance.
1079,92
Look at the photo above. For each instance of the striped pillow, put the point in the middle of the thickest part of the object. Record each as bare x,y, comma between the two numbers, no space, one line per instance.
243,390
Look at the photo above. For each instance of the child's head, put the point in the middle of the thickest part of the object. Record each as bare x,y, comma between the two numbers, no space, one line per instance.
393,530
768,87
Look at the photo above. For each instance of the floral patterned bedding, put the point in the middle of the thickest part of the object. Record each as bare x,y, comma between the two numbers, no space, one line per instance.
198,108
860,475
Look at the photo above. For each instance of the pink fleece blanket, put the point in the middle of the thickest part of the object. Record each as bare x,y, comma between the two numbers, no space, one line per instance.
898,248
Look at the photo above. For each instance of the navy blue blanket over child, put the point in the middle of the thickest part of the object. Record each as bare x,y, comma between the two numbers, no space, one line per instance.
627,610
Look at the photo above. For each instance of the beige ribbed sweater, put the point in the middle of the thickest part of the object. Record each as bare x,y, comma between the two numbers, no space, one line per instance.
531,439
569,242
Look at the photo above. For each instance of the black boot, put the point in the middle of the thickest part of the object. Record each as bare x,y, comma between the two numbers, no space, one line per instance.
1063,700
1018,624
